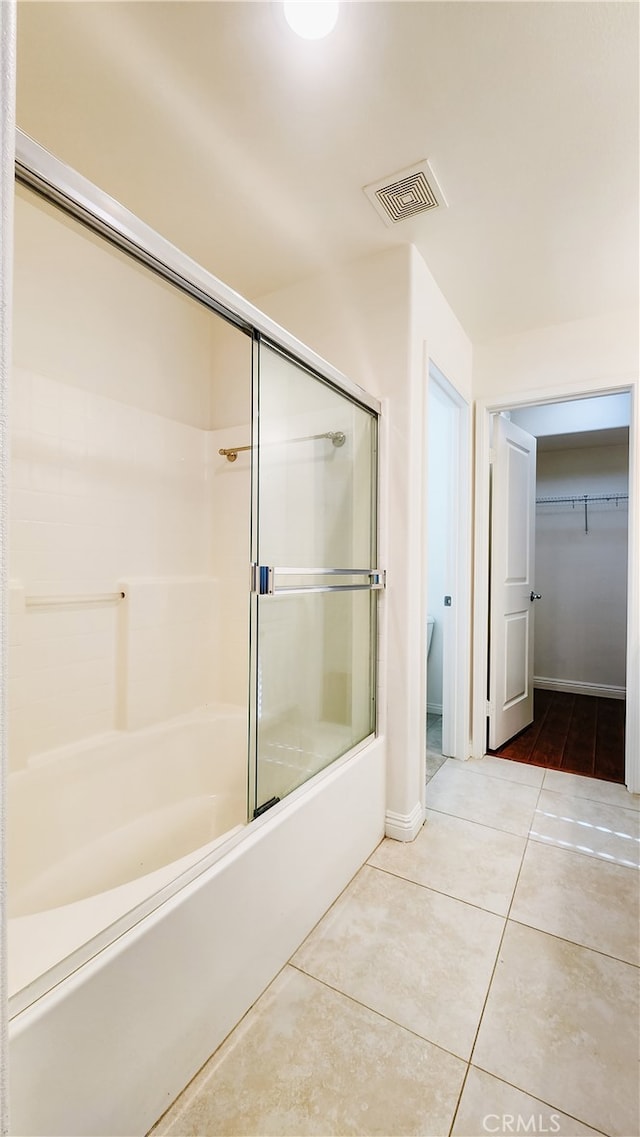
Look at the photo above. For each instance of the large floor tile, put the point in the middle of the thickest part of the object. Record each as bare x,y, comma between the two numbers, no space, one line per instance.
491,1106
434,760
461,858
434,732
496,767
306,1060
503,804
575,785
590,827
561,1023
422,959
589,901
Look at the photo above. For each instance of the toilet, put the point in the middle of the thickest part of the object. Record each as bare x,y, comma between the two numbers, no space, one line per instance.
430,623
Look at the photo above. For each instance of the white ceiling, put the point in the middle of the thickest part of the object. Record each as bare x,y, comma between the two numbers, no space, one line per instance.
578,440
597,414
249,147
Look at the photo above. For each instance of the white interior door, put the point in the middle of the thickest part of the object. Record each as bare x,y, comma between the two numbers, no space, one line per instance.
513,501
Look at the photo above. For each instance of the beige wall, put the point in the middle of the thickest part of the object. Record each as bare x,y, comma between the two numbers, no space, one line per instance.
437,331
598,355
584,353
438,336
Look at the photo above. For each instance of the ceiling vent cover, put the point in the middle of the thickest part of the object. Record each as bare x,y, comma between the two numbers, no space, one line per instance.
405,194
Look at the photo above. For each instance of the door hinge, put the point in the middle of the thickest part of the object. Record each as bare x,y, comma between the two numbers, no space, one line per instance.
492,456
489,707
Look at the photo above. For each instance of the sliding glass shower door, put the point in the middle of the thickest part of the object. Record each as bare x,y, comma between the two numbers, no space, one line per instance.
315,575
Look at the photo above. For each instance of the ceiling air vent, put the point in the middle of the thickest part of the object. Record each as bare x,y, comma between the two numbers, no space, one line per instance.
405,194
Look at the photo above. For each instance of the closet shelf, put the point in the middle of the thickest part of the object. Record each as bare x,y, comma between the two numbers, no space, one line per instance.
584,500
581,498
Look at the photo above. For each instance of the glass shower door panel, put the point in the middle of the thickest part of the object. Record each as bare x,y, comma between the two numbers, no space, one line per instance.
315,543
315,690
317,471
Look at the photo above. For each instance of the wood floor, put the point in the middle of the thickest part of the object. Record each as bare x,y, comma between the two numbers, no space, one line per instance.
581,734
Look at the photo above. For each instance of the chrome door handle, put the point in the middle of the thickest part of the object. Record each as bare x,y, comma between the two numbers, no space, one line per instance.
263,580
535,596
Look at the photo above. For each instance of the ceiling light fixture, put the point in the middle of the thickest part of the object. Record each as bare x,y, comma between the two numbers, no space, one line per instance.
311,19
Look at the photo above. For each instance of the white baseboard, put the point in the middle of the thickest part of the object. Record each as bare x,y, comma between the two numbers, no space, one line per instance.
572,687
434,708
404,826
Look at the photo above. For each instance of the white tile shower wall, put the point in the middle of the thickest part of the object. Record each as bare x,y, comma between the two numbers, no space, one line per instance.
229,530
90,316
61,662
100,492
169,633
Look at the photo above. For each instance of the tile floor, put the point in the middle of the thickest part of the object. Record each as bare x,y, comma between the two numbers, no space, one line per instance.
483,979
435,757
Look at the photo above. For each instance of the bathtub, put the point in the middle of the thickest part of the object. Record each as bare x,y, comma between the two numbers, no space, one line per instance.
98,828
105,1051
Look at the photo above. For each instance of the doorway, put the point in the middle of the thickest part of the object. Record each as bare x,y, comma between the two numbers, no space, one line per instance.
578,615
448,601
601,670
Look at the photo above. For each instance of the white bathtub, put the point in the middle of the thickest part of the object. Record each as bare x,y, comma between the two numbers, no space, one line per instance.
105,1051
98,828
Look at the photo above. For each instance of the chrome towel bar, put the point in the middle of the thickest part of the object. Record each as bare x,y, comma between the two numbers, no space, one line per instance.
65,601
338,438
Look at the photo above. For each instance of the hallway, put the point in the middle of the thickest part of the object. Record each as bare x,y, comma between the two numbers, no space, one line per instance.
487,971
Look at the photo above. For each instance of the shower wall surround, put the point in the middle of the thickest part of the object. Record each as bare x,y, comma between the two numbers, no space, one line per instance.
121,505
138,647
114,465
